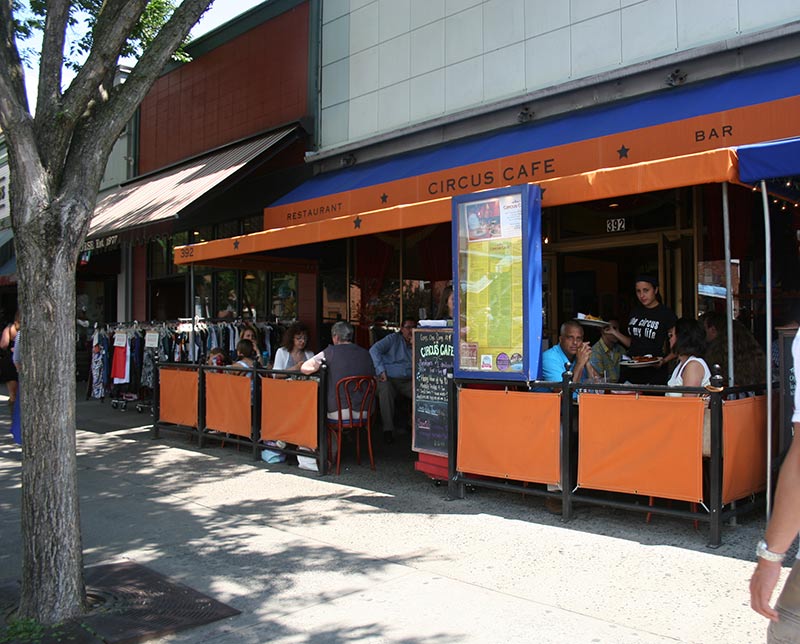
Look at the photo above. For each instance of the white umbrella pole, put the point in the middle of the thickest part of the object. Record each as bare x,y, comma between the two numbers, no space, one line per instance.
768,306
726,231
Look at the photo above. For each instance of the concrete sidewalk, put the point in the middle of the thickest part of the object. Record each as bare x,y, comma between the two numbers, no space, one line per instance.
383,556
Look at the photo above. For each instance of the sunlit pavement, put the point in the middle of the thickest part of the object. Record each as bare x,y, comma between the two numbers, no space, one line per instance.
383,556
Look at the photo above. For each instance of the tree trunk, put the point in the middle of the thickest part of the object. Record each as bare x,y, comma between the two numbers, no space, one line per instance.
57,163
52,558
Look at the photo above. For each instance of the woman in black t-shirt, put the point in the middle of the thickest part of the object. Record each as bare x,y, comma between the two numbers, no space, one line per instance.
647,333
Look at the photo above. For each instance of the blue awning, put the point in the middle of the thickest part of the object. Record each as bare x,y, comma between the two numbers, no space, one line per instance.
773,160
728,93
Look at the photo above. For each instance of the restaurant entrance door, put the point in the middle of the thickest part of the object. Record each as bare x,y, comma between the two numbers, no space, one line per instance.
598,277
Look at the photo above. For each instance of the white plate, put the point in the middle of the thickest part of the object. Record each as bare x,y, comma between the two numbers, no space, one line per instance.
635,365
591,322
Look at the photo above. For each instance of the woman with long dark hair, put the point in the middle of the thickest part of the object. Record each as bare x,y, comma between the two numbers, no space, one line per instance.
294,350
687,340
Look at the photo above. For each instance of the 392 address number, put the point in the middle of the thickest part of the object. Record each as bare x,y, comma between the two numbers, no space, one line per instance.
615,225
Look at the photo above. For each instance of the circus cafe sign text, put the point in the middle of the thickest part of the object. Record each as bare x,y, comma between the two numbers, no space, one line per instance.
520,173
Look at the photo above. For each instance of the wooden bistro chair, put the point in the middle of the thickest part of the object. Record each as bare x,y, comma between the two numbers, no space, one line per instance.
354,403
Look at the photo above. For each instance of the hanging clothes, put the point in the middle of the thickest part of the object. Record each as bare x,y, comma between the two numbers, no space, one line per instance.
149,368
120,365
98,374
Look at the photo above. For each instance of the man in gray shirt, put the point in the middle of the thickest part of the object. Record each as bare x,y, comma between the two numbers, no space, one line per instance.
343,359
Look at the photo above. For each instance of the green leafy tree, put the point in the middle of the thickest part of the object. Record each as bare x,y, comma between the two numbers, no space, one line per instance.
57,158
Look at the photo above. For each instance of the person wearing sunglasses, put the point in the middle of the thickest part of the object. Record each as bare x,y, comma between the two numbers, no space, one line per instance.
392,359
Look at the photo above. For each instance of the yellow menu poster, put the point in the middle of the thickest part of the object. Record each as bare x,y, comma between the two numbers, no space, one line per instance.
492,279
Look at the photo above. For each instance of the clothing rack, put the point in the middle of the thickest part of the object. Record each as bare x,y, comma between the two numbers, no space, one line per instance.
126,376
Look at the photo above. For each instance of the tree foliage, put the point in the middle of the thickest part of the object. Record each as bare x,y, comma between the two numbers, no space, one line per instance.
57,159
30,21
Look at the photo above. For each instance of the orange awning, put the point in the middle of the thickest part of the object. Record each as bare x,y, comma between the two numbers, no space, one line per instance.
365,223
713,166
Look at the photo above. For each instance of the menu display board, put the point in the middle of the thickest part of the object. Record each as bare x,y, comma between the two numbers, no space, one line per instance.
497,252
433,359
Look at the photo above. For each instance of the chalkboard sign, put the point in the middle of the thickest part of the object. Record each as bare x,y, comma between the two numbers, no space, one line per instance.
787,386
433,360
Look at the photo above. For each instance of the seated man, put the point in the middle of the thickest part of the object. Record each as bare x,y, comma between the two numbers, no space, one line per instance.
343,359
392,359
607,353
571,352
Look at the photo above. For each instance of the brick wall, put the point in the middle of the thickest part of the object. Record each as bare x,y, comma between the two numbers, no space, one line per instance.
251,84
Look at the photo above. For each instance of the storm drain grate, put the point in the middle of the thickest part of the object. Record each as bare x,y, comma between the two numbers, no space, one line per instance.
132,604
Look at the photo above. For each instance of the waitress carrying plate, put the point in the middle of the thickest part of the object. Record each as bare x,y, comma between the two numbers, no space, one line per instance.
637,364
590,321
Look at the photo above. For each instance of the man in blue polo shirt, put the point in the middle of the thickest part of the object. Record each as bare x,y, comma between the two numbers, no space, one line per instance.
392,359
571,352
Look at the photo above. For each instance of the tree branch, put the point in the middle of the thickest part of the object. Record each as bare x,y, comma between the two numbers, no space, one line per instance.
48,99
96,131
15,119
13,99
126,98
114,25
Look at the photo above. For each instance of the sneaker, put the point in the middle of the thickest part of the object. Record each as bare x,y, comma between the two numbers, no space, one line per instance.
307,463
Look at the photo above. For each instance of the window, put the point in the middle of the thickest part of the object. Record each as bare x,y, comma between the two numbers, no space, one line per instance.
284,296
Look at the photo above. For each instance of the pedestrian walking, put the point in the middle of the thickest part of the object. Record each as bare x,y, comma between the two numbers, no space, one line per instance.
784,627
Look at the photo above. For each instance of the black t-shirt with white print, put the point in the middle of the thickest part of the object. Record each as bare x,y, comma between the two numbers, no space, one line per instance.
648,328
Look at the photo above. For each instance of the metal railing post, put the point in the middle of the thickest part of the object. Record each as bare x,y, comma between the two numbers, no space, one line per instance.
154,430
322,418
255,412
715,466
455,488
566,442
201,406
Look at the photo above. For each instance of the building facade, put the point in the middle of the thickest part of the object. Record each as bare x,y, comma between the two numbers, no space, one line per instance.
215,141
424,101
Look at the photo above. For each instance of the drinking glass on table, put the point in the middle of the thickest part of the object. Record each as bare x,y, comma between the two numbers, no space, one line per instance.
598,379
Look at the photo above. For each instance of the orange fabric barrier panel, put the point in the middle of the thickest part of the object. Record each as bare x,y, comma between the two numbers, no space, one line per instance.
178,396
650,445
228,407
289,411
744,436
509,434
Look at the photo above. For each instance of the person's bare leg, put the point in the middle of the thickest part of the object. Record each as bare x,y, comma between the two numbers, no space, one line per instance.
12,392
